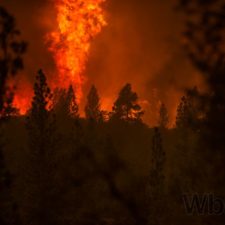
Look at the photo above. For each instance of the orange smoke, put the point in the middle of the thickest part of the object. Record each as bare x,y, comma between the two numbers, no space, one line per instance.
78,22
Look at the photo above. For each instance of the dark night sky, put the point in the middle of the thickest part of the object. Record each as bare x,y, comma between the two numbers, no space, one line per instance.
141,45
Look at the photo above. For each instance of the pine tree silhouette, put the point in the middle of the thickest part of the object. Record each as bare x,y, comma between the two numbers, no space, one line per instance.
59,102
204,41
65,103
11,51
42,145
156,189
163,117
126,106
191,111
41,100
183,113
158,163
93,109
40,115
72,103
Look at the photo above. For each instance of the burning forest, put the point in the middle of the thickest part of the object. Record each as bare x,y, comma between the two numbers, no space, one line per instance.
112,112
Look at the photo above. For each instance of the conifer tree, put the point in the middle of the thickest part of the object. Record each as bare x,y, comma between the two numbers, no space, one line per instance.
126,106
157,180
189,111
11,51
158,162
40,112
72,103
65,103
92,110
204,40
42,145
163,117
183,116
59,102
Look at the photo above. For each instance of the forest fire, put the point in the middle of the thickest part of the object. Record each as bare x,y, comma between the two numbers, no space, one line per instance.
78,23
72,26
23,96
110,119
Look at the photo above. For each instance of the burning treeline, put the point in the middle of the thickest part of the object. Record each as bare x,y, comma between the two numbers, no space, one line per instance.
77,25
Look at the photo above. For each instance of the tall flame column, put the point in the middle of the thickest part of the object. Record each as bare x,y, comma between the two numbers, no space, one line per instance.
78,22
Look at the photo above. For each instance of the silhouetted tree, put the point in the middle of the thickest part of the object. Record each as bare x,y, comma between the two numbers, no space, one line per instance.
158,163
191,110
204,33
183,114
59,102
42,145
204,41
156,189
72,103
126,106
65,103
41,104
163,117
92,109
11,51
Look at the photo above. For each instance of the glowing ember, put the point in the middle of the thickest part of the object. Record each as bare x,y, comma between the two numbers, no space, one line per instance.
78,21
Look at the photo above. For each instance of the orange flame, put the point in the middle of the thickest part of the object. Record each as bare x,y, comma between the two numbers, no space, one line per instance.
78,21
23,94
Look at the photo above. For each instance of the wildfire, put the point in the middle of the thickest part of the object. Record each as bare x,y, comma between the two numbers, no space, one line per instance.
78,22
23,93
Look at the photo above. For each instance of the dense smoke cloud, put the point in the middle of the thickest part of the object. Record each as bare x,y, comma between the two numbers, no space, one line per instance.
140,45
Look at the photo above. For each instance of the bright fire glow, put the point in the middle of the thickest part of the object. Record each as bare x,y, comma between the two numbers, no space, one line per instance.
78,21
